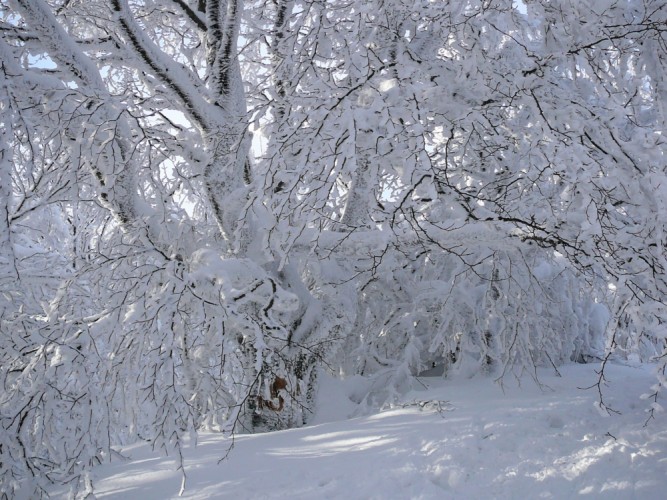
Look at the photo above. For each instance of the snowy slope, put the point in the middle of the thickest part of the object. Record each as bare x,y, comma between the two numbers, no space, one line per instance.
525,442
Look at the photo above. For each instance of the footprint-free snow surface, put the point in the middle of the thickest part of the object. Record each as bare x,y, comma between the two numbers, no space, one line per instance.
479,441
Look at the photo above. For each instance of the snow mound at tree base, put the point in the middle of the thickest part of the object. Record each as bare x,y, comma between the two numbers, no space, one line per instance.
483,441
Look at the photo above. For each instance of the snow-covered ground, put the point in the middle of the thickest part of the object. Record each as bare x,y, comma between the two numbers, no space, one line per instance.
487,442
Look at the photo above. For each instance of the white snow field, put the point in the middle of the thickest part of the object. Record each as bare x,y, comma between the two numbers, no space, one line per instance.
486,442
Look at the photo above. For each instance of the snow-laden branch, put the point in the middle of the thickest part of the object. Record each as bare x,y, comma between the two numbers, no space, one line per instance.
59,45
175,78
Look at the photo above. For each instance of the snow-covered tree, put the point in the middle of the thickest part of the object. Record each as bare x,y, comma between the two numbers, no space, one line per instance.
203,203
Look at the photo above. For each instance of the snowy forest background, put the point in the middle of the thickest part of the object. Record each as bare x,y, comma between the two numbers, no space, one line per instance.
204,203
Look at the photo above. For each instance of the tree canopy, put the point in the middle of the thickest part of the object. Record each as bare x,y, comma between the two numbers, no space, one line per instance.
205,202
